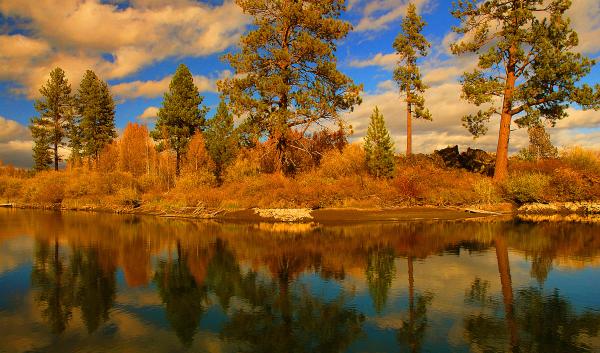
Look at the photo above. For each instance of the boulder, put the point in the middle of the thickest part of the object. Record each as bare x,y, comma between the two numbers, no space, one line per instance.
450,156
473,160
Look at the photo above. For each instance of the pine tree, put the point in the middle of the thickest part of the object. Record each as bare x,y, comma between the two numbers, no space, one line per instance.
379,147
286,72
526,59
410,44
221,139
97,115
180,115
55,110
42,156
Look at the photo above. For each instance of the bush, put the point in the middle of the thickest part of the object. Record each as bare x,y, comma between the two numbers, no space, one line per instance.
486,191
246,164
46,188
582,159
527,187
350,161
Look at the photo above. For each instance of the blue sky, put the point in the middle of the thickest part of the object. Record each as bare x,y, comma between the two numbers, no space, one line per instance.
136,46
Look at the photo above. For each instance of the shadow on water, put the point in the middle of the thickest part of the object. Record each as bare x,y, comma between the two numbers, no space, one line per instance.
292,288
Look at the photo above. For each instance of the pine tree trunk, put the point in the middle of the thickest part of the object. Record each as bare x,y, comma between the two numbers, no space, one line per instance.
56,156
501,170
408,128
177,161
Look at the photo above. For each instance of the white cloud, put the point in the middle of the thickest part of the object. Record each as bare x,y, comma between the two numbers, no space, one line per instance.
378,14
386,61
149,113
15,143
585,19
113,42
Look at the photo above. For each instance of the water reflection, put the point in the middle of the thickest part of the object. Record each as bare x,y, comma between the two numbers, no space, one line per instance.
259,288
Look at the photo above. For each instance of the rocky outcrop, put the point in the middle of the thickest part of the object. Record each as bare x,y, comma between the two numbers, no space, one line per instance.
473,160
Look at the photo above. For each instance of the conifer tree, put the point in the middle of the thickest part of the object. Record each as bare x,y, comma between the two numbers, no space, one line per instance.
410,44
97,115
54,122
526,60
540,145
180,115
221,139
42,156
286,72
379,147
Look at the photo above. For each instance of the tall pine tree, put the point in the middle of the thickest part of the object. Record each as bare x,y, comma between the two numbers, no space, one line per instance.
55,120
526,60
97,115
410,44
221,139
180,115
379,147
42,155
286,71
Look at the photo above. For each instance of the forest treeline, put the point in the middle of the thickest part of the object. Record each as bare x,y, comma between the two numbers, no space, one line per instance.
278,137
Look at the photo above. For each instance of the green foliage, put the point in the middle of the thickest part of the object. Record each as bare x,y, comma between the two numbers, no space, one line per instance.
221,140
526,58
380,272
527,187
51,128
410,44
180,115
286,71
97,117
540,145
379,147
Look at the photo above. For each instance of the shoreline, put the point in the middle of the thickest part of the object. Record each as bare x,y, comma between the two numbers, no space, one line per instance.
583,212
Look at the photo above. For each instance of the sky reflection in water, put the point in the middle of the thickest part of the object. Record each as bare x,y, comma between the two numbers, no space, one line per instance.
99,282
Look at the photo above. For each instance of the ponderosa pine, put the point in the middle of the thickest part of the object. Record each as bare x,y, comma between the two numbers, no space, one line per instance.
42,155
411,45
96,110
221,139
180,115
286,74
55,109
526,60
379,147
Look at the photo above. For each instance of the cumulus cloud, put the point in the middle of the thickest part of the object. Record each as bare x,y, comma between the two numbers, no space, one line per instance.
155,88
585,19
149,113
377,15
15,143
113,41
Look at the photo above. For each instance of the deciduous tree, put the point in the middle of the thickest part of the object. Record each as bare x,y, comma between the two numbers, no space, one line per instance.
180,115
410,45
286,72
379,147
527,65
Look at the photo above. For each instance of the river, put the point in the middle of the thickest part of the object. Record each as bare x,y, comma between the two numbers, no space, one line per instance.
91,282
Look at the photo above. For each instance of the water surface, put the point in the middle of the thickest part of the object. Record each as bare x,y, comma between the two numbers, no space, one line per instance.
108,283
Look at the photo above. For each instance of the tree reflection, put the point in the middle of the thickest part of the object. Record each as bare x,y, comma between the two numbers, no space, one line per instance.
52,280
380,272
412,332
95,293
182,296
271,317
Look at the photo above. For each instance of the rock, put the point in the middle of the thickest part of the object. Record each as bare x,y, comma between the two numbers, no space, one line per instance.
473,160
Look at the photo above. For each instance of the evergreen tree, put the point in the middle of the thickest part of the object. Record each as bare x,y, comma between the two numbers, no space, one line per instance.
526,59
42,156
286,71
410,44
379,147
55,110
97,115
221,139
180,115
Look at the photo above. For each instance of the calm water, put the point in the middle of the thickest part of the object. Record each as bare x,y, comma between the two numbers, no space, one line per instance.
106,283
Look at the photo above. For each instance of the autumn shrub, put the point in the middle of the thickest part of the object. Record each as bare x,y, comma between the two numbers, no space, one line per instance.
582,159
128,197
10,188
47,188
246,164
569,185
486,191
350,161
527,187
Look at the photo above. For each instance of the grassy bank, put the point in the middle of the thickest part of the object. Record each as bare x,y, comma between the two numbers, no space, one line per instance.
340,180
